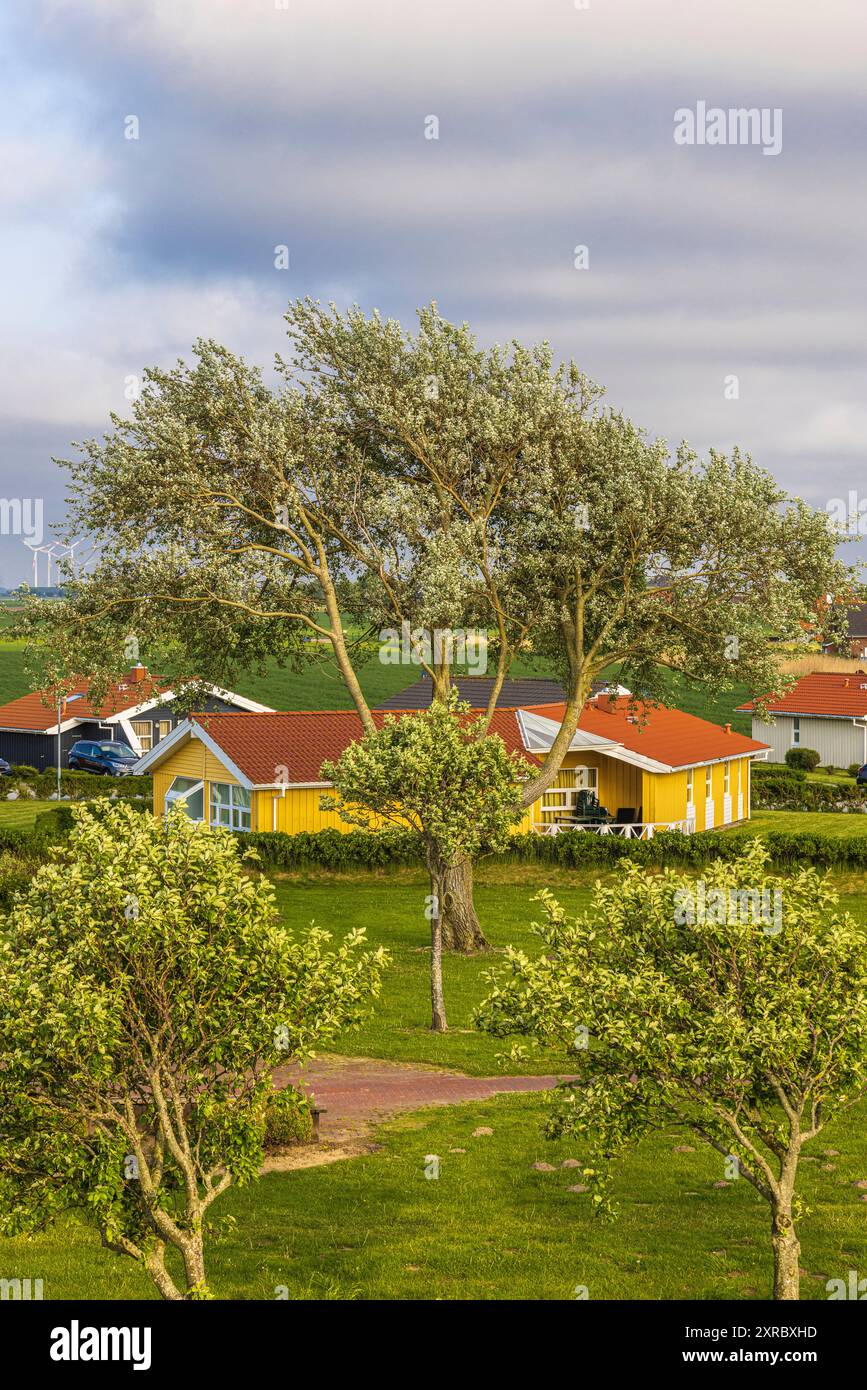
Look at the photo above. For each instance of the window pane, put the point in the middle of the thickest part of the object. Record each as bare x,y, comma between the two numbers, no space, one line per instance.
143,729
193,794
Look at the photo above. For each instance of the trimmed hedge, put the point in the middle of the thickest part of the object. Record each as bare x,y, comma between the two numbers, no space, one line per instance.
78,786
779,795
766,772
331,849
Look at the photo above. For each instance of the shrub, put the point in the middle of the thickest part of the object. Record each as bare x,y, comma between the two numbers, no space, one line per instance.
288,1120
764,770
853,769
329,849
806,758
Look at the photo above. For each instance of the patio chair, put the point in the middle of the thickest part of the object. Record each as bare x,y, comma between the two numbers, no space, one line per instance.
589,809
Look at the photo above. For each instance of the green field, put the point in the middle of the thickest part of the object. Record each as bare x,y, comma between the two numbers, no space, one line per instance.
318,686
492,1227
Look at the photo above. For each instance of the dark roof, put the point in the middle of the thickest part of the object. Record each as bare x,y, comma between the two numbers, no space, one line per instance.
856,620
517,694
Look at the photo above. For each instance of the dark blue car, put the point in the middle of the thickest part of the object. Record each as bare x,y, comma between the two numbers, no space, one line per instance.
861,775
116,759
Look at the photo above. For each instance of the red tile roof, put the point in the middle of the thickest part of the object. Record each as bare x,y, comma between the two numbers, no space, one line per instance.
37,714
667,736
823,692
260,745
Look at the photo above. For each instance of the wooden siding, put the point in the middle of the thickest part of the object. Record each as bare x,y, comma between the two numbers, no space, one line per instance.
658,796
838,742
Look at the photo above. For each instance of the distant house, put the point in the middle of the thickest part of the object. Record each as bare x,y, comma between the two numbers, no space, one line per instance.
139,710
855,643
476,690
825,711
649,769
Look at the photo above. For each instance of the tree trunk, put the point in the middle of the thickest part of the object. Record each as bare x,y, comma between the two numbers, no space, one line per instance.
438,1006
194,1266
155,1264
460,925
787,1255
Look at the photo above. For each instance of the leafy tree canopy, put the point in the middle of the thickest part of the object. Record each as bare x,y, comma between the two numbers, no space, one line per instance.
735,1006
147,992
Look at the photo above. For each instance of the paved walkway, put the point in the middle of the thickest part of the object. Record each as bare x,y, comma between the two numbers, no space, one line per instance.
358,1091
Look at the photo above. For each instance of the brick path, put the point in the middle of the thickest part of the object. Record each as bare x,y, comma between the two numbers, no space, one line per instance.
357,1091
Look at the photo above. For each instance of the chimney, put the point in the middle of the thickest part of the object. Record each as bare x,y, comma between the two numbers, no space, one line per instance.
138,672
728,728
846,683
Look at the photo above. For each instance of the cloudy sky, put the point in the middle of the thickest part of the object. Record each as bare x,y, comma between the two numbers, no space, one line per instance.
307,126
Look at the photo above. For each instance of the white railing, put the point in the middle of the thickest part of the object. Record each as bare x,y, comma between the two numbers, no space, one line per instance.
629,830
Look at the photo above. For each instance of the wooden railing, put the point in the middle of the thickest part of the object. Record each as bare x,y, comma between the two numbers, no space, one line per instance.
629,830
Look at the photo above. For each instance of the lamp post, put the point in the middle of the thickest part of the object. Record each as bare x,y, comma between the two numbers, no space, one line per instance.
62,702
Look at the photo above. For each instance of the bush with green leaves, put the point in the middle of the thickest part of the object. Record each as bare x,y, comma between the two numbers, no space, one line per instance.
148,990
806,758
288,1119
734,1008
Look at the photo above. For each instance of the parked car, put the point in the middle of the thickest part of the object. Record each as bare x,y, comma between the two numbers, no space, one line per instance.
861,775
115,759
5,769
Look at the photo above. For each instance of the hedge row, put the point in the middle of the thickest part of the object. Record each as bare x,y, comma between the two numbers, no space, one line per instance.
776,794
78,786
331,849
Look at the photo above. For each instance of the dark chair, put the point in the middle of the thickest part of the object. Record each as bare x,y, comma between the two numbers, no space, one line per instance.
589,808
625,815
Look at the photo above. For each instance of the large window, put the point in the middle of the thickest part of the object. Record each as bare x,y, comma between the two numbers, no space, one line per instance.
191,792
144,732
230,806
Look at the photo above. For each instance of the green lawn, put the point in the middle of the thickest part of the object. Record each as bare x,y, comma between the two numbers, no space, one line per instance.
319,686
392,912
491,1227
804,823
20,814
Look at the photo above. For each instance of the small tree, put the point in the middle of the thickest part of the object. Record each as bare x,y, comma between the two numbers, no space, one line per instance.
147,991
434,773
736,1007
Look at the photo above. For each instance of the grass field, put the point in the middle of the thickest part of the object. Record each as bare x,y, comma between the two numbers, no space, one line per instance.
20,815
805,823
319,686
492,1227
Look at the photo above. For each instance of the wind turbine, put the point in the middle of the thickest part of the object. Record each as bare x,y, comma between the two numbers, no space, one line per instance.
35,553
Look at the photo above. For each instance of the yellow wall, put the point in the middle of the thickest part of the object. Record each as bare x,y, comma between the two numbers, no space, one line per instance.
659,796
297,810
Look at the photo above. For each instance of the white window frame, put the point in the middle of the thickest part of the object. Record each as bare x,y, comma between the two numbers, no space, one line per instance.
796,732
727,779
562,800
146,740
708,783
172,796
240,816
690,785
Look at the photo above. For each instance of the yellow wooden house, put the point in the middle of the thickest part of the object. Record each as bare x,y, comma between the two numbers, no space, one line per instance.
643,770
